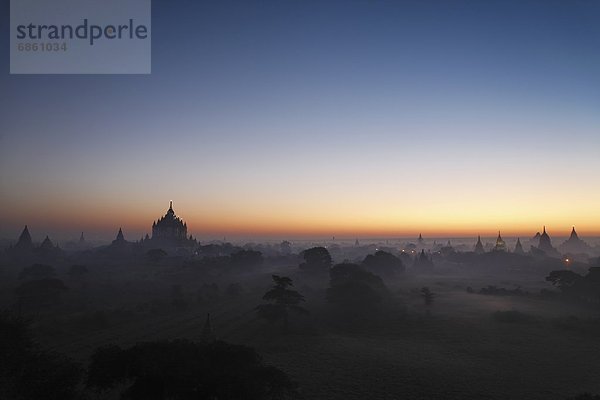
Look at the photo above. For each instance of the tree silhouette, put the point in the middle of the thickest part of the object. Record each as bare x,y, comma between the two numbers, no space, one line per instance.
316,259
585,396
428,296
285,247
234,289
40,292
208,293
26,372
383,263
584,288
37,271
563,279
246,259
77,271
178,298
355,291
281,300
181,369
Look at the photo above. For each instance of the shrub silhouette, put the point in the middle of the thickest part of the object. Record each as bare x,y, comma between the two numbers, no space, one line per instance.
77,271
181,369
37,271
40,292
585,396
234,289
178,298
511,316
26,372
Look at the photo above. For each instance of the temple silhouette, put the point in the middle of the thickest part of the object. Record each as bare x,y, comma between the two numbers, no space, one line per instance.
500,243
169,233
26,251
24,242
519,247
479,246
574,245
545,245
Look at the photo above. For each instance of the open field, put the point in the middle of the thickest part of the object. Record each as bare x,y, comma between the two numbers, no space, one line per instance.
454,350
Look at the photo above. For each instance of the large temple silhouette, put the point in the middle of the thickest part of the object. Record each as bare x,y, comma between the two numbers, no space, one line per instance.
169,232
545,245
170,227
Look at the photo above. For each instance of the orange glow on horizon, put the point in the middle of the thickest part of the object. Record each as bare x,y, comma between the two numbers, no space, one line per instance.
218,220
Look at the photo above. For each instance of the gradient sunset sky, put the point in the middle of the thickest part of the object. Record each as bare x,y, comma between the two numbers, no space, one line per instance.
299,118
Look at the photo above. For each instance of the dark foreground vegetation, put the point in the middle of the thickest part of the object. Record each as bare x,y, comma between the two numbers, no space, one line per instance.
168,369
320,323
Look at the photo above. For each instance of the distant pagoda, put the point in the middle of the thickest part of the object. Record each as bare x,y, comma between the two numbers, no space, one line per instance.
500,243
423,263
545,245
575,245
24,242
479,246
47,244
120,239
545,242
207,335
519,247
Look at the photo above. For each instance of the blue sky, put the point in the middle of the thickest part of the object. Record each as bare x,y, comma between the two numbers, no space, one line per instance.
274,117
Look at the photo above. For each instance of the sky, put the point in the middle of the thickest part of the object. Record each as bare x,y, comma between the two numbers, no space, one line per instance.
351,118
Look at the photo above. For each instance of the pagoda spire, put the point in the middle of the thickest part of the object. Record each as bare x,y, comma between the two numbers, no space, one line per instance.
500,243
47,244
170,211
546,243
574,234
25,239
519,247
479,246
208,335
